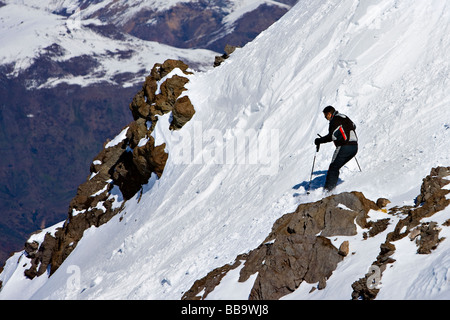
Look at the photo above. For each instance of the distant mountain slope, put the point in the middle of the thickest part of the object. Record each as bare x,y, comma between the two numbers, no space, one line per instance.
179,23
54,49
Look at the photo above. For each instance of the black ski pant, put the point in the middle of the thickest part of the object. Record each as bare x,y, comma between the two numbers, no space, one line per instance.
341,156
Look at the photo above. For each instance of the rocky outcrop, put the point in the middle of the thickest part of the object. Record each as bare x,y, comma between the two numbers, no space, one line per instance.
298,249
432,199
120,170
157,98
228,51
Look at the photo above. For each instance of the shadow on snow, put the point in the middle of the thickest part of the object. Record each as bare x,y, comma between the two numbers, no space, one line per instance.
317,182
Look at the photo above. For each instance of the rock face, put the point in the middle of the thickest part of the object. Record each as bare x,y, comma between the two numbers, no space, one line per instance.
228,51
120,170
432,199
298,248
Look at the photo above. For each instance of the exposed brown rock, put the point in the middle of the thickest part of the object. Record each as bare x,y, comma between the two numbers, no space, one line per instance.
127,165
327,217
139,106
432,199
361,291
31,248
209,283
344,248
290,261
378,226
429,238
433,183
298,248
383,202
228,51
41,259
182,112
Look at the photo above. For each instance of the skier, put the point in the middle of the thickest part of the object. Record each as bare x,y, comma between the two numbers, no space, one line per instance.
342,132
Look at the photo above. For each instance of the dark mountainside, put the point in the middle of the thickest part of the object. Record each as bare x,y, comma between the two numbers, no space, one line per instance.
198,25
49,136
47,139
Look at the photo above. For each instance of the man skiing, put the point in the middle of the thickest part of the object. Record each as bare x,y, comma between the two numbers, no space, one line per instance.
342,132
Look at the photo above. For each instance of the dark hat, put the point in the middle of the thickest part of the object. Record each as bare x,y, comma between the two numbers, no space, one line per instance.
329,109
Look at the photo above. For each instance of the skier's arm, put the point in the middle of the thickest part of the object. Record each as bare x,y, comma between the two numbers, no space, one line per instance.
323,139
329,136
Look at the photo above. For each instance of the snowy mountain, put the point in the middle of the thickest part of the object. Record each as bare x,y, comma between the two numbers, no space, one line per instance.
237,167
179,23
110,39
75,45
67,72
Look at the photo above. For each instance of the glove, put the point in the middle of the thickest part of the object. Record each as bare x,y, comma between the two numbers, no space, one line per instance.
317,143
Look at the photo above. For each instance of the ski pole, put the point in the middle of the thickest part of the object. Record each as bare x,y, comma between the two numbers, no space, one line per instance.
358,164
312,170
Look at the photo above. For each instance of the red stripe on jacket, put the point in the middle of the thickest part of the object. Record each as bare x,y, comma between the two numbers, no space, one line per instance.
343,133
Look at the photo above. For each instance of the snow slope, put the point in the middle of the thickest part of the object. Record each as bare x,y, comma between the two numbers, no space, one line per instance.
384,63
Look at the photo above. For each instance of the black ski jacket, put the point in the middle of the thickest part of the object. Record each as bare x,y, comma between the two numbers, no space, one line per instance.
341,131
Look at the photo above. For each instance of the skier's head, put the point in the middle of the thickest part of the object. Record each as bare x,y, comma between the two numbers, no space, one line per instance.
328,112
